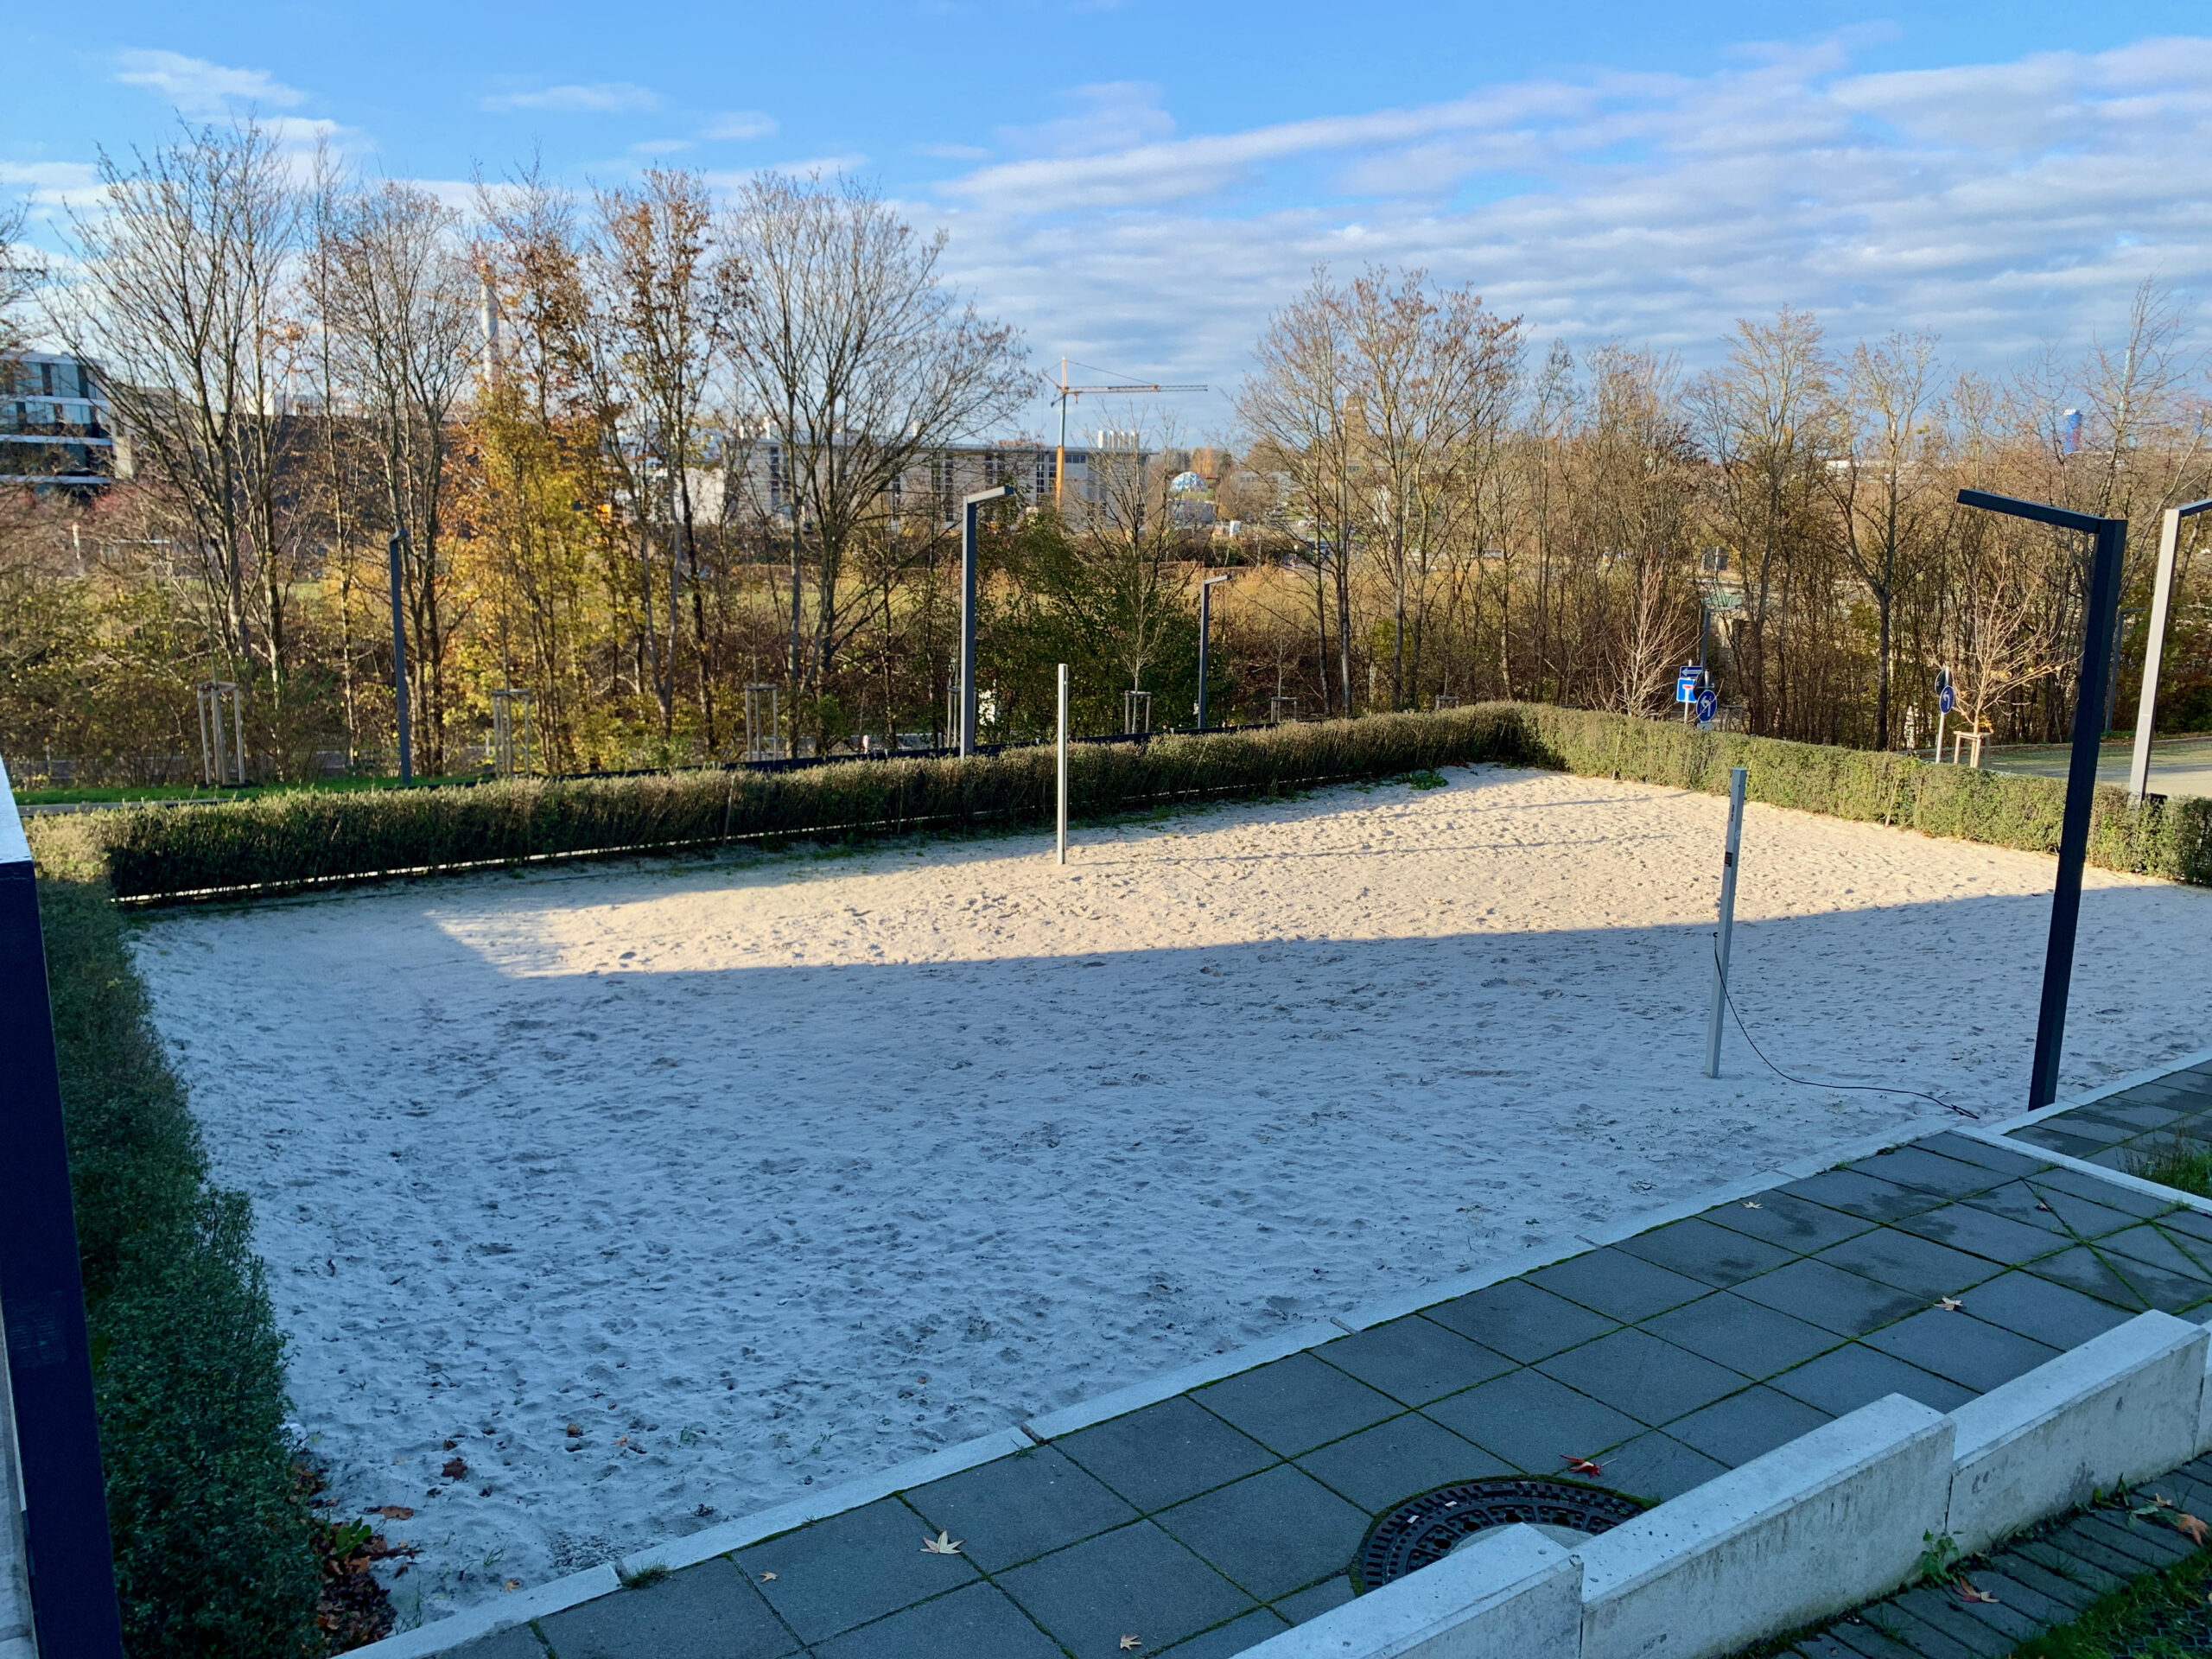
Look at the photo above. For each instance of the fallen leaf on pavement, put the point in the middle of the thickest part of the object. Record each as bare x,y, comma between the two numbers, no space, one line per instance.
1130,1644
2190,1527
1581,1465
1949,1304
767,1578
1748,1204
944,1544
1968,1592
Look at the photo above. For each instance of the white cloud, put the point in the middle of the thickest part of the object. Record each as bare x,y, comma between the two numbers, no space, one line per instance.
828,166
2002,204
600,97
53,184
662,146
953,152
740,124
198,87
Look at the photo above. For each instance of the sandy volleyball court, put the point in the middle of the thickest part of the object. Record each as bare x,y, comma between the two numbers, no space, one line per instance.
781,1169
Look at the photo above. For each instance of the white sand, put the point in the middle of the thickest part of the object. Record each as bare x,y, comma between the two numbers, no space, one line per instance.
729,1159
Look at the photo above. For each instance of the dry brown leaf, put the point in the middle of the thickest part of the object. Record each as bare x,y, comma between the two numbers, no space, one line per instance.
455,1469
1749,1204
1581,1465
395,1512
1130,1644
1949,1304
514,1583
621,1439
944,1544
1968,1592
575,1431
2190,1527
767,1578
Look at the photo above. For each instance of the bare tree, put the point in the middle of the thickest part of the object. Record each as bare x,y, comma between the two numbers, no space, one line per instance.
396,293
1886,482
860,362
184,307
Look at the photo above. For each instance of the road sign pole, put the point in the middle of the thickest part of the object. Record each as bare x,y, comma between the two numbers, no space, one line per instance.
1736,778
1063,764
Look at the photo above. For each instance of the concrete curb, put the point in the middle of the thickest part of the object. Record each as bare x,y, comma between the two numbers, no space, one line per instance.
1513,1593
1154,1390
2103,1091
2119,1177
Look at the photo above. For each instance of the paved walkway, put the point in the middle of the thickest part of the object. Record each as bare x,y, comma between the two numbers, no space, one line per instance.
2038,1582
2179,765
2120,1129
1215,1518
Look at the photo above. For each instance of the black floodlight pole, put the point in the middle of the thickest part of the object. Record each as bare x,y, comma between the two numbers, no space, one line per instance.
49,1369
397,547
2110,537
967,611
1205,633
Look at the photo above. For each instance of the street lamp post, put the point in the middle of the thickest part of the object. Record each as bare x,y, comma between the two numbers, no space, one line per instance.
2111,539
2138,770
397,547
967,611
1205,638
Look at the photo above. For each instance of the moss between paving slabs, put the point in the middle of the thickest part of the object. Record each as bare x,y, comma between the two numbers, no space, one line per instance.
214,1553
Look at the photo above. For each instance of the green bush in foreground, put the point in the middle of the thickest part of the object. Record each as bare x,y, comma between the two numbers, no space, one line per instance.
280,840
212,1541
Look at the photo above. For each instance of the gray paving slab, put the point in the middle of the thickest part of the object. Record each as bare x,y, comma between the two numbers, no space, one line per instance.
1746,1336
1746,1425
1534,1423
1315,1599
1133,1581
1917,1266
1955,1344
1522,1321
2082,1268
1653,1466
1984,1233
1383,1465
2072,1218
1915,1635
2148,1242
1943,1614
848,1570
1296,1404
1620,1285
2073,1568
1706,1251
1821,1294
1277,1532
1233,1637
1639,1374
708,1611
2108,1194
2041,1310
979,1621
1014,1508
1925,1170
1967,1150
1797,1225
1864,1195
1416,1360
1844,1379
1164,1453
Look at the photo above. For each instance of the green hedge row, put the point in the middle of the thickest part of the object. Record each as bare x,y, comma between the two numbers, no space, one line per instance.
282,842
213,1552
2171,838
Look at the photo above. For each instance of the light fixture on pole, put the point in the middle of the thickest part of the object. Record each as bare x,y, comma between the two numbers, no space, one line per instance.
1205,633
967,611
2138,770
2111,542
397,547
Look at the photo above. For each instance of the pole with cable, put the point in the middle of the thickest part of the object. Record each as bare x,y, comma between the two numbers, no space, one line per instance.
1736,778
1064,763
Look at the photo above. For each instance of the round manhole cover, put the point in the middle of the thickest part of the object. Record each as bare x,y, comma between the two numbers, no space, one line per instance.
1428,1527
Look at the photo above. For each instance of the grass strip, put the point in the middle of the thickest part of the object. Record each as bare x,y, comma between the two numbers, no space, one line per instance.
214,1553
2165,1616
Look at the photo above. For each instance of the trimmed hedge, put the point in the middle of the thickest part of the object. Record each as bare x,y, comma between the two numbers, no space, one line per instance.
2171,838
212,1549
282,842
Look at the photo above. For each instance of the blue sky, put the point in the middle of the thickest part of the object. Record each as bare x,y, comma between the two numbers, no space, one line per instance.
1137,184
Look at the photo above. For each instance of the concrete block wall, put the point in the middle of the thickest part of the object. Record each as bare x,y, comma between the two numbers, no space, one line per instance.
1514,1592
2122,1406
1833,1519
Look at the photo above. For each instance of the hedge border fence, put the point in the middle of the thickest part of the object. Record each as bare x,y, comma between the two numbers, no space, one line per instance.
289,843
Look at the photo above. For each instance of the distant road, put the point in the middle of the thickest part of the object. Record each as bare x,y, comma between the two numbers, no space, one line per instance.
2179,765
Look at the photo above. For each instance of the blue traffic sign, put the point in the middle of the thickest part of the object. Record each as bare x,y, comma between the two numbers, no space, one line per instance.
1708,700
1945,697
1687,681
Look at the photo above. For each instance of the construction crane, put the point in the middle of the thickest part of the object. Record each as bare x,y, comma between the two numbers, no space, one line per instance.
1064,392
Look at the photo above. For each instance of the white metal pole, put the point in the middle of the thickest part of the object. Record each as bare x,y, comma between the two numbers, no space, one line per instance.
1737,778
2138,769
1064,763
